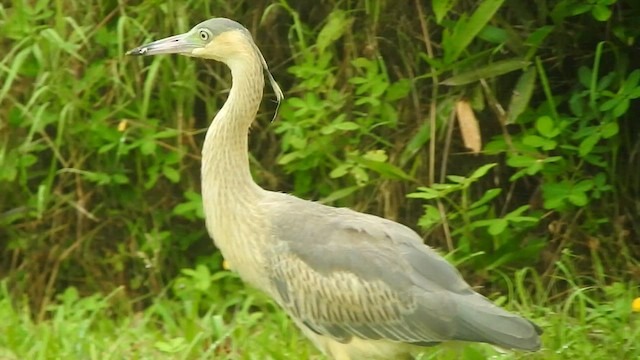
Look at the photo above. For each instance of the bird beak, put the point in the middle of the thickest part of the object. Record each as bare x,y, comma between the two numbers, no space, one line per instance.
177,44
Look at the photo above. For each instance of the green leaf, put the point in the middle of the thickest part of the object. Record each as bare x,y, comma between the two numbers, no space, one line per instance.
27,160
202,278
386,169
337,25
328,129
554,195
120,179
361,63
289,157
478,211
184,208
98,177
441,8
360,175
106,147
545,126
493,34
588,143
486,197
552,159
584,76
578,199
610,104
534,168
520,219
584,185
606,81
339,194
537,37
456,179
521,94
515,214
376,155
148,146
424,193
168,133
340,171
64,44
621,108
297,142
634,93
172,346
13,72
346,126
296,102
430,218
520,161
445,187
416,143
466,29
600,12
170,173
539,142
632,80
609,130
398,90
549,145
489,71
578,7
533,140
497,226
482,171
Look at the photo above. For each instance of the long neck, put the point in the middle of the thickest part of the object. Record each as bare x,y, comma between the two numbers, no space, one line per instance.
226,178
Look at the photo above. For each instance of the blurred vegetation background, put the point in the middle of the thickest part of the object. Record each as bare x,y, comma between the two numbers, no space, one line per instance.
501,130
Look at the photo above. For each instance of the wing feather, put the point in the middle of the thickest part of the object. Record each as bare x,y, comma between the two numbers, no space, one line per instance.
345,274
343,305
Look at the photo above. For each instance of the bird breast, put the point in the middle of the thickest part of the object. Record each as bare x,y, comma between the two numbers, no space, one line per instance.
239,231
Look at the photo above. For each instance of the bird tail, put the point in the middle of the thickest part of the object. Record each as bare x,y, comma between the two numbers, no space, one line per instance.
482,321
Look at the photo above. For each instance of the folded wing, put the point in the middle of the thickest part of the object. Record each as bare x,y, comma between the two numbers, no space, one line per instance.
345,274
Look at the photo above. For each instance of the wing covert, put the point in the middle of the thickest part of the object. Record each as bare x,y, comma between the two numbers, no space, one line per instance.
342,304
345,274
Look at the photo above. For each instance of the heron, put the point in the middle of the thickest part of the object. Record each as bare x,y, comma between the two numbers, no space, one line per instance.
357,285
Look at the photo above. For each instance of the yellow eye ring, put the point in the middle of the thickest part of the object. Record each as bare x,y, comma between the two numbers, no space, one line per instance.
204,34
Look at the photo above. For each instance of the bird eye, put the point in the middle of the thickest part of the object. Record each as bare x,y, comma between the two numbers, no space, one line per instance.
204,35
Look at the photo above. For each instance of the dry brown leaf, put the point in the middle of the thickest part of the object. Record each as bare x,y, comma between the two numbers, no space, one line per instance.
469,126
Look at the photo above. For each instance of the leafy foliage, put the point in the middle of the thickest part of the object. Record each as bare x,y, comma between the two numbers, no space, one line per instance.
99,163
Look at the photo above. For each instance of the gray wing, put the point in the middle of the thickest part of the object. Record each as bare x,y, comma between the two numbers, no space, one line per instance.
345,274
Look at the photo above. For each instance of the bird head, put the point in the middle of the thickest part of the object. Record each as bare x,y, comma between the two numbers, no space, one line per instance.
218,39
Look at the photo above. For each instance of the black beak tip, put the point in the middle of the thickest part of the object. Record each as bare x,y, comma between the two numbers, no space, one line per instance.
137,51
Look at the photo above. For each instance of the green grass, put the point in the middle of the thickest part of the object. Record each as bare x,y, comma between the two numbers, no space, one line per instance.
99,166
89,328
186,322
